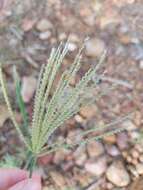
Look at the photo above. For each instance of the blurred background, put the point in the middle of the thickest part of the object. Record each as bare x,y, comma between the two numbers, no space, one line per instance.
28,31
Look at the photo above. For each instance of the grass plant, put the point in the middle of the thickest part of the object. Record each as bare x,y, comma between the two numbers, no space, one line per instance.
50,113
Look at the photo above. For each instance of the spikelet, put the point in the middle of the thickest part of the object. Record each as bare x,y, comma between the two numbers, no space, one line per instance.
65,102
5,94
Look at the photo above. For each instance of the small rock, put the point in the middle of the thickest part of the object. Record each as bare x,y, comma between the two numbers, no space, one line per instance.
108,20
112,150
133,171
129,159
139,148
139,168
45,160
62,36
122,140
117,174
4,114
129,125
67,166
45,35
28,88
94,47
135,153
95,149
90,20
81,160
134,161
110,186
73,37
80,155
60,156
138,118
88,111
74,136
79,119
44,25
72,46
125,153
110,139
125,39
82,177
96,167
58,179
134,135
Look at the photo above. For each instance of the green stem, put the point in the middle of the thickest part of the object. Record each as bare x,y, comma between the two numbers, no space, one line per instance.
32,166
31,163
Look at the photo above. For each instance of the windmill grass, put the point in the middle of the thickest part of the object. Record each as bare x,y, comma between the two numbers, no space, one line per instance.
51,112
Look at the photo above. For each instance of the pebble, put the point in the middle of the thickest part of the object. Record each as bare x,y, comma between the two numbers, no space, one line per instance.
95,149
67,166
82,177
74,136
110,186
73,38
94,47
62,36
45,35
109,20
122,140
129,125
88,111
139,148
81,160
72,46
28,88
96,167
110,139
58,179
4,114
112,150
139,168
44,25
78,118
125,154
90,20
134,162
80,155
60,156
117,174
125,39
135,154
133,171
45,160
134,135
129,159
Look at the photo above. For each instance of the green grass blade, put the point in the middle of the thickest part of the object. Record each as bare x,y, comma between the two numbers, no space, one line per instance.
21,104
